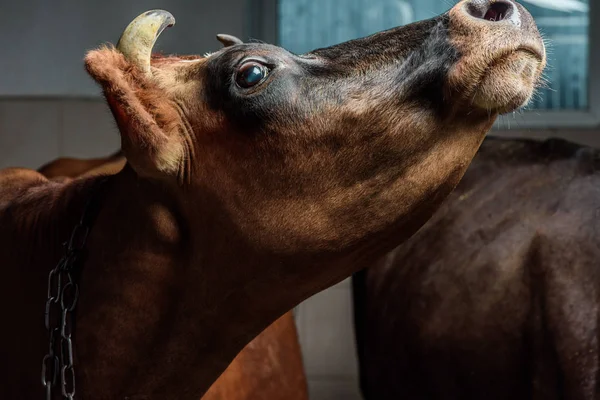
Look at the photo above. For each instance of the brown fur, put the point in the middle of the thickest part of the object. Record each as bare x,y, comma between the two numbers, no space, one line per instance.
497,296
142,109
76,167
269,367
235,205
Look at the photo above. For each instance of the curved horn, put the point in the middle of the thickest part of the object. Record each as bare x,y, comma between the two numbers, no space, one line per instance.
228,40
138,38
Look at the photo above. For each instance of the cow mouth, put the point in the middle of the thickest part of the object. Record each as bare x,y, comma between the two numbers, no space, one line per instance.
510,79
526,51
532,51
520,53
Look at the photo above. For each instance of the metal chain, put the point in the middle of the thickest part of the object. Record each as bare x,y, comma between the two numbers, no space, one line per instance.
63,292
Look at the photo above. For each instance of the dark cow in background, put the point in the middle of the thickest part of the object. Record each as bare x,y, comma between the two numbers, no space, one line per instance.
498,295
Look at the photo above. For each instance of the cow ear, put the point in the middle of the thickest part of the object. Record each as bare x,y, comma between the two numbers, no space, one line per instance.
149,123
228,40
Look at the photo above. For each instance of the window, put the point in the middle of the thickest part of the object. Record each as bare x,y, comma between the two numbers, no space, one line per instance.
569,98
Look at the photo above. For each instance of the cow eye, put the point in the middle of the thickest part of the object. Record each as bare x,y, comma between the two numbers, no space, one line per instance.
251,74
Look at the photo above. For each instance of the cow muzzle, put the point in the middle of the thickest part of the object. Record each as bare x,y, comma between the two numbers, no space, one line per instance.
503,54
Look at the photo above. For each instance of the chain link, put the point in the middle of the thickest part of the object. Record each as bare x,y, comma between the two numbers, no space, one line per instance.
62,296
63,293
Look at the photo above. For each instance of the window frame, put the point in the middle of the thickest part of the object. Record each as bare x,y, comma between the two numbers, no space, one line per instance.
264,21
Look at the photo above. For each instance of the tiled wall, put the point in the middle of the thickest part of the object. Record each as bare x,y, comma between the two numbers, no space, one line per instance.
325,326
33,132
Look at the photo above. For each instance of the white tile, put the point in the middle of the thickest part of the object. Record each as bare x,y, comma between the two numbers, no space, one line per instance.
88,129
28,132
326,333
333,390
297,312
345,284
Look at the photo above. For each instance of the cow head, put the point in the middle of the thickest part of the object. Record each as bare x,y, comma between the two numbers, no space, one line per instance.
335,152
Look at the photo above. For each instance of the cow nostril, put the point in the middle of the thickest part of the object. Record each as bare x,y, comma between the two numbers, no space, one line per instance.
495,12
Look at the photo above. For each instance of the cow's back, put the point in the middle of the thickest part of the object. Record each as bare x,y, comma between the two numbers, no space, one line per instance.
76,167
497,296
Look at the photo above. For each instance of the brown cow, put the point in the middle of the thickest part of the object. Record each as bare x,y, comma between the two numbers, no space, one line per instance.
270,367
497,296
254,179
75,167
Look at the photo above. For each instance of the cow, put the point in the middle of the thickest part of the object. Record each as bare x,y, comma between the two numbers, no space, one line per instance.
255,178
68,167
270,367
497,296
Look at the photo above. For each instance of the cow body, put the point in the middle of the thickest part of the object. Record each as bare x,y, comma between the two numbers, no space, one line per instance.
254,179
497,296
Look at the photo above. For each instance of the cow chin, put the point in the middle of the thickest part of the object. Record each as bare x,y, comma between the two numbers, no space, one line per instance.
508,83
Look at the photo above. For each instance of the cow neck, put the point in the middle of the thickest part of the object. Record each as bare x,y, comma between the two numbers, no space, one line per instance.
48,217
167,300
174,303
62,299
